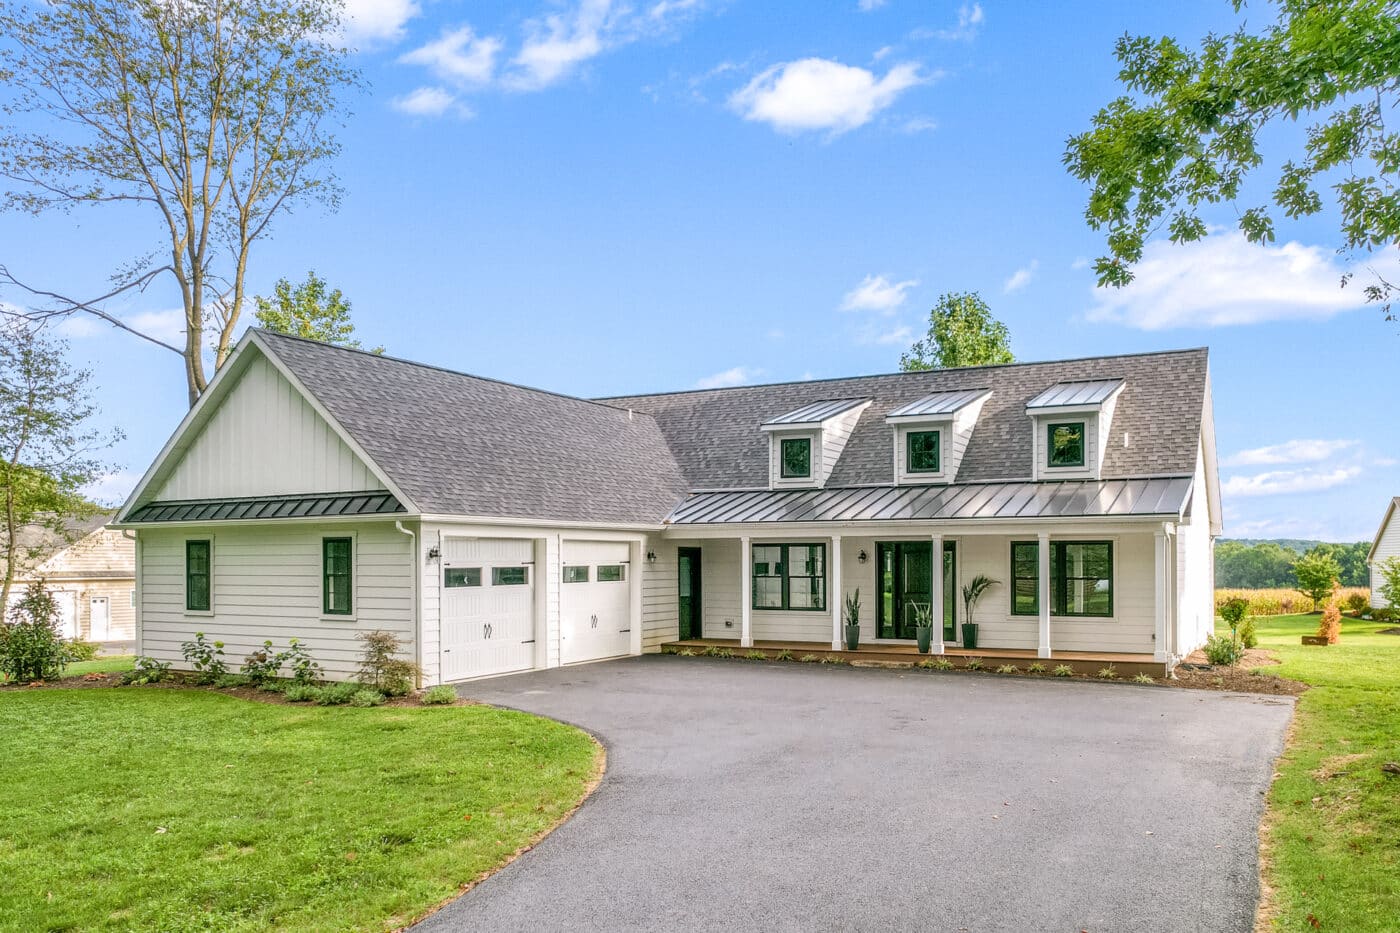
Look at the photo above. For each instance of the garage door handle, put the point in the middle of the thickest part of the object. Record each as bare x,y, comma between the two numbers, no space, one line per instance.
594,622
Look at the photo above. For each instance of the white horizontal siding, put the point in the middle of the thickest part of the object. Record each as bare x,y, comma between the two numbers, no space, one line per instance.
660,610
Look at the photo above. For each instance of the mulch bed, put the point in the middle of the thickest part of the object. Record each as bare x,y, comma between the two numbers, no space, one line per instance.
176,681
1196,673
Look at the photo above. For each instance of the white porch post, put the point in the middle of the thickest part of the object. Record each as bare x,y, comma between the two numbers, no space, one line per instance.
1042,551
935,596
1159,590
745,594
833,572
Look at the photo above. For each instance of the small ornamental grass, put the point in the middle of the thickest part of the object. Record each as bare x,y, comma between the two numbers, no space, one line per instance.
1035,667
1063,670
1143,679
756,656
1008,669
1108,673
809,659
784,655
973,664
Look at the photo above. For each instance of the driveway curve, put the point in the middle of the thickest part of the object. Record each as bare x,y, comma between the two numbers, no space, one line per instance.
747,796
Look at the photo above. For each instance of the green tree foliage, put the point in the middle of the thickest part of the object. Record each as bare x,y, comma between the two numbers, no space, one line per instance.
1316,573
961,332
210,118
1190,134
309,309
1269,564
1387,584
46,446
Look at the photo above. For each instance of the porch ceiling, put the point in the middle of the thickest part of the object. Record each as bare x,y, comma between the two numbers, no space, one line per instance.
1113,498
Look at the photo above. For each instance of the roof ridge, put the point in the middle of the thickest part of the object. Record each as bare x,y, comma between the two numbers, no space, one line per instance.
918,372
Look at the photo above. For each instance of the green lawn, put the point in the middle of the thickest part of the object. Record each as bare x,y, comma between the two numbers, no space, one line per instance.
119,662
1332,833
175,809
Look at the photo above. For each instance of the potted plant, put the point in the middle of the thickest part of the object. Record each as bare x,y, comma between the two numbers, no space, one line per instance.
853,621
923,626
972,593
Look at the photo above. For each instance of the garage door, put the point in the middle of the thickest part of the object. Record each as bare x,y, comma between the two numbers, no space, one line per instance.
594,601
488,606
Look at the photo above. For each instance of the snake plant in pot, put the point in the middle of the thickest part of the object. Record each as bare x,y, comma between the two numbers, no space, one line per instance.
923,626
853,620
972,593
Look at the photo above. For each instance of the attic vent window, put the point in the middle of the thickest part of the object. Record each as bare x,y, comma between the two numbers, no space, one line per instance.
795,457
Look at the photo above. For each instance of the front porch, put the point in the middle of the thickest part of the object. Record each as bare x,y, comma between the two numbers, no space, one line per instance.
893,653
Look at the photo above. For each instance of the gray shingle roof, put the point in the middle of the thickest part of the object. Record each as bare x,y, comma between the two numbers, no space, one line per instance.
462,445
1081,392
713,436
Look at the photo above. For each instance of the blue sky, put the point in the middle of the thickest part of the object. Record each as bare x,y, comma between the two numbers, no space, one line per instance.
602,198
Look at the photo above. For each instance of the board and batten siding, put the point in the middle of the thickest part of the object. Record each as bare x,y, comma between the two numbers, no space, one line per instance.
267,585
1387,546
265,439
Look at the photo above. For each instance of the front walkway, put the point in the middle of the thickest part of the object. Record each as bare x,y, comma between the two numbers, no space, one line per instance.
808,797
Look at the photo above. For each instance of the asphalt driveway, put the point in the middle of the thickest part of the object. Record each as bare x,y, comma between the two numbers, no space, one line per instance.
750,796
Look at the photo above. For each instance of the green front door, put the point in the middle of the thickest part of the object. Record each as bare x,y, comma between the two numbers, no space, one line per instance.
688,591
906,581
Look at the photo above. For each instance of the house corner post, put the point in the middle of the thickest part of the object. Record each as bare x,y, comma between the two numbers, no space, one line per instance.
1160,595
1042,552
837,597
745,594
937,599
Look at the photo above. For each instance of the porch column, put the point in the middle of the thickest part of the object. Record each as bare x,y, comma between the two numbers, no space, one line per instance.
1160,595
935,596
833,572
745,594
1042,596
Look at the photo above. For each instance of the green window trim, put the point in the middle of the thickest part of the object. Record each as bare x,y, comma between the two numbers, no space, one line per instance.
576,574
795,458
1020,576
779,572
337,576
1073,443
1060,579
199,575
923,451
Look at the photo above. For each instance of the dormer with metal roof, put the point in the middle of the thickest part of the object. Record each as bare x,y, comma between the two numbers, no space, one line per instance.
931,433
1071,422
805,443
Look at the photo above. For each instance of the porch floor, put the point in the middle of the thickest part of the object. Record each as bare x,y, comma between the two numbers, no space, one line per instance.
894,653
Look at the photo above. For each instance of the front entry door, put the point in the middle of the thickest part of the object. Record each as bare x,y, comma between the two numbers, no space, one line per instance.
688,591
906,581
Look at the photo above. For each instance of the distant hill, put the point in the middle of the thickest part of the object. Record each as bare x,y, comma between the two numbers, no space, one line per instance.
1263,563
1302,546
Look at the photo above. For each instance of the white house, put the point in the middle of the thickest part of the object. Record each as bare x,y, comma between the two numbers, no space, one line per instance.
317,492
1384,546
91,574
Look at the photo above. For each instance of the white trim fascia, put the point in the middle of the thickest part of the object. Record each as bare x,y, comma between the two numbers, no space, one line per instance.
294,520
1212,465
1380,532
1076,409
543,523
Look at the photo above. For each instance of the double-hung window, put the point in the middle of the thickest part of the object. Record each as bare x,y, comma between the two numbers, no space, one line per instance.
789,576
198,575
1081,578
336,576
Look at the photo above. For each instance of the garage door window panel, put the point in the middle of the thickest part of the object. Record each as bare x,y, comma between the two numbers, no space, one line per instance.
509,576
576,574
455,577
611,573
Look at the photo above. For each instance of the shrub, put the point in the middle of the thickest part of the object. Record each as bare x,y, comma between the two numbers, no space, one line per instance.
335,694
1108,673
809,659
206,657
298,660
382,669
756,656
1035,667
146,671
1233,611
1008,669
79,650
784,655
365,697
1331,625
943,664
31,647
1383,614
1223,651
231,680
1388,586
686,653
834,659
1063,670
973,664
300,693
1249,637
1356,603
441,695
261,665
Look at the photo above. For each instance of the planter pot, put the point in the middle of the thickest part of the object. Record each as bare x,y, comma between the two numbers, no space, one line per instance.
1315,640
852,637
925,635
969,634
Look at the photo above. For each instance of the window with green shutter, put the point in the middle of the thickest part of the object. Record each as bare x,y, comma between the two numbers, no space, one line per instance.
336,576
198,575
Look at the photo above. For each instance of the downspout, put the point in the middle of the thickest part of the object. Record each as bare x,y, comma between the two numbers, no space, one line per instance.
417,620
135,540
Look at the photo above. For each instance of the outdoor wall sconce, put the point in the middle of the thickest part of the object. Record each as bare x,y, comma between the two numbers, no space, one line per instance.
651,557
862,556
434,552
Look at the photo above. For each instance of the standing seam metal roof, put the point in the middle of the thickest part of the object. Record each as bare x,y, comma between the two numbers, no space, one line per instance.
1087,392
817,411
939,403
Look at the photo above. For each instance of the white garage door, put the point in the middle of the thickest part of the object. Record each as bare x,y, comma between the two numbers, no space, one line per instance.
488,606
594,602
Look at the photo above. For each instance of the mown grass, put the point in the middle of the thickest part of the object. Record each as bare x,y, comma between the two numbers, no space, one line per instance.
108,665
1332,830
171,809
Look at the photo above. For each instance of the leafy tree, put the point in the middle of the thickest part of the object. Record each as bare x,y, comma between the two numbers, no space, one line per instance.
46,447
961,332
1316,575
1351,558
1388,586
309,310
1259,566
1190,135
211,117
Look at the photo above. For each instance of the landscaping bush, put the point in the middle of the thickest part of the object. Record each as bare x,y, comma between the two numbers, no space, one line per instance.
335,694
1388,584
382,669
365,697
1063,670
262,665
146,671
298,660
206,657
1233,611
1383,614
1356,603
31,647
300,693
1108,673
1223,651
1331,625
79,650
441,695
1249,636
231,680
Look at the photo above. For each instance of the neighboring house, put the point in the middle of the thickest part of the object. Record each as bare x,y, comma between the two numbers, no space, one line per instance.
319,493
93,579
1385,545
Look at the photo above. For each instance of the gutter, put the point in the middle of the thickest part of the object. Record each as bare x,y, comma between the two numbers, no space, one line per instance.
417,616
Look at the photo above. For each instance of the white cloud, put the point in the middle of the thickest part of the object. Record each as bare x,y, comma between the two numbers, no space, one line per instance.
1080,262
458,55
819,94
1299,451
901,334
1021,277
1285,482
558,43
867,5
737,376
1223,280
970,19
919,125
377,20
877,293
429,102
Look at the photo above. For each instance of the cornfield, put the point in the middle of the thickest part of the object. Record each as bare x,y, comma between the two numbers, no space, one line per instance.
1282,601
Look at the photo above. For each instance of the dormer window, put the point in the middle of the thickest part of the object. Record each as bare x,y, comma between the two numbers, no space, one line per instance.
922,450
931,433
795,457
1065,444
